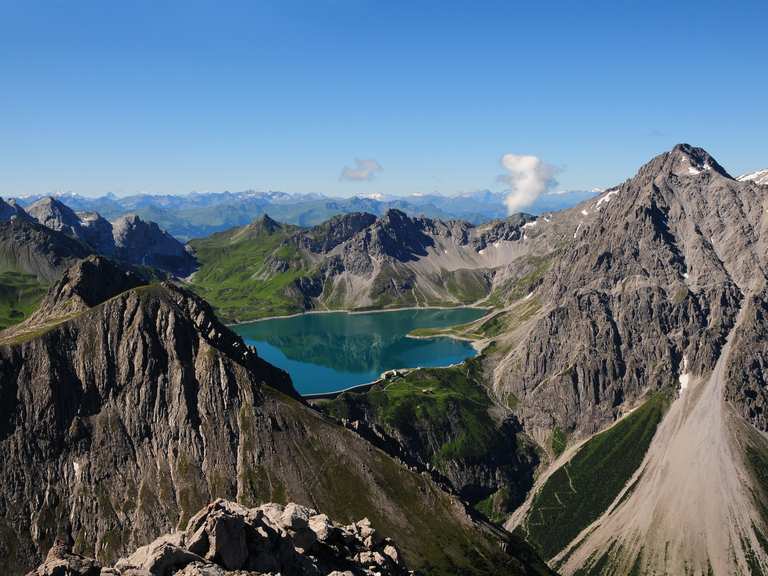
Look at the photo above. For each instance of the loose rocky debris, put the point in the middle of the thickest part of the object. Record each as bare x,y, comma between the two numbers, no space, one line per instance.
226,538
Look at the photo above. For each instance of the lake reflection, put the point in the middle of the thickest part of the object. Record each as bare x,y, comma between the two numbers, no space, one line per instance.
334,351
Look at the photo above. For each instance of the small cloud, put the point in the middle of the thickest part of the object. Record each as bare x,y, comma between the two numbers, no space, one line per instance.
528,177
365,169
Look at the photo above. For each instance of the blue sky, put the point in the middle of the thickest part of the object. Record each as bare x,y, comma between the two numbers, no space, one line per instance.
168,96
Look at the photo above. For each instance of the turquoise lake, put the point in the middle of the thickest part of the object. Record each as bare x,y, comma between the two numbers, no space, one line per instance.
338,350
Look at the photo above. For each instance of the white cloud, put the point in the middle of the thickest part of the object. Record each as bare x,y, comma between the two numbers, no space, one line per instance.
365,169
528,177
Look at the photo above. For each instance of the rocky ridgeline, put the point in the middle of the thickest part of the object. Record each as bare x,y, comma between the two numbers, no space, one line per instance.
227,538
128,239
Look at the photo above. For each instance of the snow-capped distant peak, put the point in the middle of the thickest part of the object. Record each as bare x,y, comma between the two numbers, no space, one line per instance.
758,177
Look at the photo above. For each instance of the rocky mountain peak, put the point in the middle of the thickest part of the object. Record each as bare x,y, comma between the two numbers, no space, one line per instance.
326,236
395,217
683,161
87,283
56,215
145,244
263,225
267,224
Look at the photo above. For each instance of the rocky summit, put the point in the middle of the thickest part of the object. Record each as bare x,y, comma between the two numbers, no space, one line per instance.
227,538
128,239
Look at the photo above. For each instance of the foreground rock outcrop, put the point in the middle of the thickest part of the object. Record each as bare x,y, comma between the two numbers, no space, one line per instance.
270,539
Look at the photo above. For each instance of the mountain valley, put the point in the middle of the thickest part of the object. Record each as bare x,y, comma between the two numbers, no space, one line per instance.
612,422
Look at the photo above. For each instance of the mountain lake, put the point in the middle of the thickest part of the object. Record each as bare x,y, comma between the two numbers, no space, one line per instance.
329,352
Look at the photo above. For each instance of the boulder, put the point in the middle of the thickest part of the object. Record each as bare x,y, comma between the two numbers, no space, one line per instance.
61,561
226,538
161,557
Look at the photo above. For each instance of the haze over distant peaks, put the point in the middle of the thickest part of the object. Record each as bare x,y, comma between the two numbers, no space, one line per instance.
200,214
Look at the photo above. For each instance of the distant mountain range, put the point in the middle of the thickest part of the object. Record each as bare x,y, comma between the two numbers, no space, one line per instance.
197,215
758,177
354,261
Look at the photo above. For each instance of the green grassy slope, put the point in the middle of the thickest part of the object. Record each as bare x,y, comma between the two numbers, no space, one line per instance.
252,272
504,321
431,539
20,294
248,273
443,416
577,493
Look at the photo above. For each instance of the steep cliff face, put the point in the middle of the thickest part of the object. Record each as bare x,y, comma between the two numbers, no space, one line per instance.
747,376
119,420
647,288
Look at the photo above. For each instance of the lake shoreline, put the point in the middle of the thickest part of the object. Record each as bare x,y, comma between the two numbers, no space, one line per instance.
375,344
476,343
356,311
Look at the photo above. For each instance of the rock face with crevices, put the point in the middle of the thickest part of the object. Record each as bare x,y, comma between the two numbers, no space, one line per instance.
129,239
646,289
124,415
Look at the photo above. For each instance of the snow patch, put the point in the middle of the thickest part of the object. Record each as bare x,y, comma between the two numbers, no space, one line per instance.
585,213
530,224
497,244
529,295
481,251
607,198
693,170
577,230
